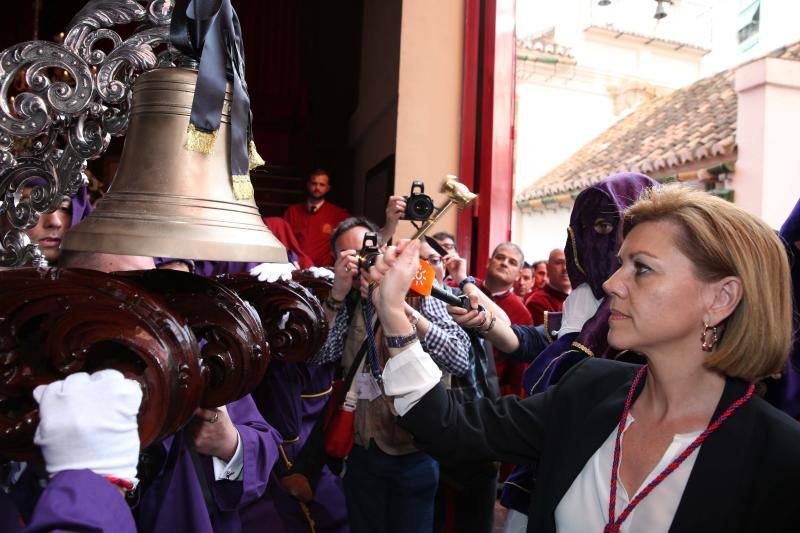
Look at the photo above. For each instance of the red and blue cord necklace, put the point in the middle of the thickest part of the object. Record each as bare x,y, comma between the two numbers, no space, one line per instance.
614,524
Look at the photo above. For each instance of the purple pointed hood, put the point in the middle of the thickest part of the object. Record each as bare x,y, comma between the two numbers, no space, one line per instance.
595,228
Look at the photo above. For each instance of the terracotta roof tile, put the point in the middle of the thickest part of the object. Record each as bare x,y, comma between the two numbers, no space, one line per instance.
662,137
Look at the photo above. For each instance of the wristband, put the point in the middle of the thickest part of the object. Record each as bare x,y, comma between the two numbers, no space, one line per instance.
333,304
490,326
400,341
468,279
123,484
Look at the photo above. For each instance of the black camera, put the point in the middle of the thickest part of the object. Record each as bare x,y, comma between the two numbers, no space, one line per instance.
369,251
419,206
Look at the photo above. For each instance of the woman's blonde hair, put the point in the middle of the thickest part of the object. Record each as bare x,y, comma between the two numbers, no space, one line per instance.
722,240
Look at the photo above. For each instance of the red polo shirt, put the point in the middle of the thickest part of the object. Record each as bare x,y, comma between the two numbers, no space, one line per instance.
313,230
545,299
510,303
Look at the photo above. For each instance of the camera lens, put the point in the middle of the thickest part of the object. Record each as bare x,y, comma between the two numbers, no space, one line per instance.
419,207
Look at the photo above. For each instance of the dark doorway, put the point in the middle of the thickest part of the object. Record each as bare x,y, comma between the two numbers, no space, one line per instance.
303,75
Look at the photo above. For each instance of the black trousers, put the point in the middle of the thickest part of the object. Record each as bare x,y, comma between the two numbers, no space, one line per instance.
474,491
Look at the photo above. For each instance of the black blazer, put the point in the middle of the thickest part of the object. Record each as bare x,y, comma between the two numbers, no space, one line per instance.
746,477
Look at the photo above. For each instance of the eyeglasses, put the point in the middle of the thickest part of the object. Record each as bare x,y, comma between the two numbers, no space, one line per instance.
433,260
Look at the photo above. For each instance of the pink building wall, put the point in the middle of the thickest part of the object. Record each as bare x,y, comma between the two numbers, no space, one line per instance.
767,177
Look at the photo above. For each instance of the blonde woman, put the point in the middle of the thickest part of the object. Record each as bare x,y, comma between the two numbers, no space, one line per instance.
679,444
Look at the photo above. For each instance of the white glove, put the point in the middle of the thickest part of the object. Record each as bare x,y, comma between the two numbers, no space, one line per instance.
89,422
272,272
322,272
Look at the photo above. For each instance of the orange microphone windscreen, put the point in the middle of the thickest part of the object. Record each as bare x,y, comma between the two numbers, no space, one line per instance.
422,283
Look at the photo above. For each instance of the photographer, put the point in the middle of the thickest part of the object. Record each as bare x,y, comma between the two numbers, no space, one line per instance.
395,210
388,479
417,207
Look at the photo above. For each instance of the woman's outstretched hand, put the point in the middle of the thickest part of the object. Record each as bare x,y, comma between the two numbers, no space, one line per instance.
393,271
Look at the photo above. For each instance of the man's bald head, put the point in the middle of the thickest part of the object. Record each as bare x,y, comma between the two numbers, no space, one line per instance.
105,262
557,271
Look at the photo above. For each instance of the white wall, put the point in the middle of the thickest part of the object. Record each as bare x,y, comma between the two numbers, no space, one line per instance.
778,27
552,123
541,232
561,108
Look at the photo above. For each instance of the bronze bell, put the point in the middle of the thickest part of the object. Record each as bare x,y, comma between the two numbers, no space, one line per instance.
167,201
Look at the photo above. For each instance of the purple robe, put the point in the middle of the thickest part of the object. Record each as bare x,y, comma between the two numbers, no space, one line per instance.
175,501
80,500
209,269
81,207
291,397
784,393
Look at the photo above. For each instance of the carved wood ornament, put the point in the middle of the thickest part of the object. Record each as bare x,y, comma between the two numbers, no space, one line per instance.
292,316
188,340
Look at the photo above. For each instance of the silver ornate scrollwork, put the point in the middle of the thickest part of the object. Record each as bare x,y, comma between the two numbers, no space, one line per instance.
75,96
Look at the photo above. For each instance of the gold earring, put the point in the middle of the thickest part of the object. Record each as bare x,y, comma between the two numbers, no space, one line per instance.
709,337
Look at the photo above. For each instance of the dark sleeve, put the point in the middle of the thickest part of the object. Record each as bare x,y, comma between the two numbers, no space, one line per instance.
531,343
80,500
508,429
791,228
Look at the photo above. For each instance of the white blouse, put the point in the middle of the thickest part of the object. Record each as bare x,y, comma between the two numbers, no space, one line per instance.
584,507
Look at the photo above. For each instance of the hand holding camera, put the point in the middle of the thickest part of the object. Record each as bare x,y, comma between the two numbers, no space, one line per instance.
395,210
344,271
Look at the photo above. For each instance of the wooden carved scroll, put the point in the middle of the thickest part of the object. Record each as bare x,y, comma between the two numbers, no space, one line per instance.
187,340
57,322
292,316
319,287
234,353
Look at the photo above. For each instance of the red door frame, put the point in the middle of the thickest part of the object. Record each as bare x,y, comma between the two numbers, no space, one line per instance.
487,128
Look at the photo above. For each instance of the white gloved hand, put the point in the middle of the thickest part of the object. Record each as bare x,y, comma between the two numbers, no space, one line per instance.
322,272
89,422
272,272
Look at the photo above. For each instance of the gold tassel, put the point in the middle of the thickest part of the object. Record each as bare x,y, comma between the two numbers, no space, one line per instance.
242,187
200,141
253,156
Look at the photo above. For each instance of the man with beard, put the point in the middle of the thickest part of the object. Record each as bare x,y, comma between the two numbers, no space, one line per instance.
314,220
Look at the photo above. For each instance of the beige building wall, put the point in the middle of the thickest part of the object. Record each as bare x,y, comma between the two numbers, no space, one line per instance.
429,99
